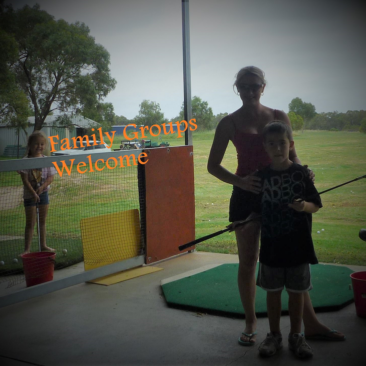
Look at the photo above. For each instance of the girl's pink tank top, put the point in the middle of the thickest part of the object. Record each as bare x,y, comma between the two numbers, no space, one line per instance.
250,152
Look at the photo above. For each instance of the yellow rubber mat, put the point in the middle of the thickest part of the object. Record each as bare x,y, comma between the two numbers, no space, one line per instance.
125,275
110,238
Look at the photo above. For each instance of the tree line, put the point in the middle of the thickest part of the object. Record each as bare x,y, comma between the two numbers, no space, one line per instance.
302,116
150,114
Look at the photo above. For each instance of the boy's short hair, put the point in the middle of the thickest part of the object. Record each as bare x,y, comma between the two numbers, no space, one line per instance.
277,127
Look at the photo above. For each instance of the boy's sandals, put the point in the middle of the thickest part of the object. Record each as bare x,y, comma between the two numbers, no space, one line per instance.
298,345
270,345
250,342
331,335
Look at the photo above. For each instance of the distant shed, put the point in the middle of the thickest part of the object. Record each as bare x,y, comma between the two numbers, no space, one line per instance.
9,135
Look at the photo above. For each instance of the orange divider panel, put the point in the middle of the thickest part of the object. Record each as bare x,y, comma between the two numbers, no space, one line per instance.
170,206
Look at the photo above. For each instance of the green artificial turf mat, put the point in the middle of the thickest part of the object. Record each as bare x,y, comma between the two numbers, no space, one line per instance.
216,291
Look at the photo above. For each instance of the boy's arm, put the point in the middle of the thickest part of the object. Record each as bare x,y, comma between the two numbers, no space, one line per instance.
311,201
304,206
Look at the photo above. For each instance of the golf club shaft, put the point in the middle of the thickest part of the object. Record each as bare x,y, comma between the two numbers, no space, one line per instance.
194,242
204,238
38,230
330,189
343,184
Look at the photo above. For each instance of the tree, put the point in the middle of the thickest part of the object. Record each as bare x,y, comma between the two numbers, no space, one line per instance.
305,110
201,112
14,105
218,117
149,114
122,120
59,66
363,126
103,113
297,122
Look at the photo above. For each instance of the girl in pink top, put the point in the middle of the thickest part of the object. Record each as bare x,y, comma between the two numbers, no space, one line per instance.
36,186
243,128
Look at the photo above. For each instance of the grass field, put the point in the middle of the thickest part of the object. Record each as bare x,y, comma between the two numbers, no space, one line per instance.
335,157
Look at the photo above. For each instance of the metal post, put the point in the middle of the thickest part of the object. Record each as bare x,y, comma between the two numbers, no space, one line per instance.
186,69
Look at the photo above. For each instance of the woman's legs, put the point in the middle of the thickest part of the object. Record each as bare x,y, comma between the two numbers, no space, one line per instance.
248,247
311,323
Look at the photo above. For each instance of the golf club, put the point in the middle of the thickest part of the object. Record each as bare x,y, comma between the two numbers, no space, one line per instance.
240,223
39,233
229,228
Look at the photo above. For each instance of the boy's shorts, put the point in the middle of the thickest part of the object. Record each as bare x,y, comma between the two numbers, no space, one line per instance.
296,279
43,200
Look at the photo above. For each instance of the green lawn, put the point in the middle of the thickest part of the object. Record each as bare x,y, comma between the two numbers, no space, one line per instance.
335,157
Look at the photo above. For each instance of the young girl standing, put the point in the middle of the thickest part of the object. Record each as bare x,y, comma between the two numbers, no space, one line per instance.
36,186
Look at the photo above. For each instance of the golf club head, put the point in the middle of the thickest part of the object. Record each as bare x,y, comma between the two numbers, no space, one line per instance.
362,234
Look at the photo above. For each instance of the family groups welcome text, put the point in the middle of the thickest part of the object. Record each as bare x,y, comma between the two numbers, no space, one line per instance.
65,145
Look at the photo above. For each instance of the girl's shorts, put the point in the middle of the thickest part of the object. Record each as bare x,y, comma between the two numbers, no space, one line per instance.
238,205
29,202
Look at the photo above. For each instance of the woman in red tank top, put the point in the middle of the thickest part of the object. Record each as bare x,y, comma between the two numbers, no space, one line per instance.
243,128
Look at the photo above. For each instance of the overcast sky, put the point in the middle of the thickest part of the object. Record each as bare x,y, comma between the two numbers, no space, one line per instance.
313,49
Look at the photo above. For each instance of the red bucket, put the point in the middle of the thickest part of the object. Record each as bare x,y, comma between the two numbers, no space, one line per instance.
38,267
359,292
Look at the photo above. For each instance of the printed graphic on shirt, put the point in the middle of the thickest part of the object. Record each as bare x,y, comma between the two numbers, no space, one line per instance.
278,191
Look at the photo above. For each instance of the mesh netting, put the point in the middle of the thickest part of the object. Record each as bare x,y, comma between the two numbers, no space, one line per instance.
98,210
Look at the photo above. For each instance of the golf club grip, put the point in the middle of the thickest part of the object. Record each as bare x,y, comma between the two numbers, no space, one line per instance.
194,242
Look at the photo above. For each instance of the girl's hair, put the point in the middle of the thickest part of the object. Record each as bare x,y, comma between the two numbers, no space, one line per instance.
277,127
33,137
253,70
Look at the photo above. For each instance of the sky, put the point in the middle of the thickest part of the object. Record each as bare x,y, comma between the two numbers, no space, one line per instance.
313,49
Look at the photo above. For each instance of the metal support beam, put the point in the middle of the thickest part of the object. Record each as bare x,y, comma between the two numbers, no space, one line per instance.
51,286
186,69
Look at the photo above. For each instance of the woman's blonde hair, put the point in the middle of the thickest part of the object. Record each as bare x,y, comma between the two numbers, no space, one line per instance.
253,70
33,137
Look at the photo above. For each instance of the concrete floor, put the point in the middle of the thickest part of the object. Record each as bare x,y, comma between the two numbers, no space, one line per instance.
129,323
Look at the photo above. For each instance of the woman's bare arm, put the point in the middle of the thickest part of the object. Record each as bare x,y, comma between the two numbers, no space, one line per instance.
221,140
